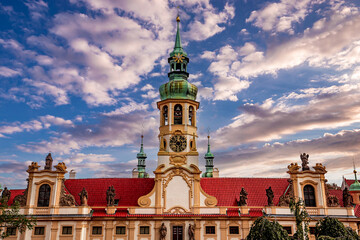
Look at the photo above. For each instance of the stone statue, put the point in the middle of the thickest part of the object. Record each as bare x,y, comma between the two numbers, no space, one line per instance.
110,196
285,199
163,231
83,197
191,232
66,199
305,161
33,167
21,199
347,198
48,162
61,167
243,198
5,195
270,196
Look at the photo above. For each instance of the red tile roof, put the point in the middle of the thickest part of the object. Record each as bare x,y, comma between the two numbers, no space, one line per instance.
357,211
128,190
14,193
100,212
227,190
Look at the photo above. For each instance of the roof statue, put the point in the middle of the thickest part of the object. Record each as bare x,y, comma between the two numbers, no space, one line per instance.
48,162
347,198
6,194
83,197
191,231
270,196
305,161
243,197
110,196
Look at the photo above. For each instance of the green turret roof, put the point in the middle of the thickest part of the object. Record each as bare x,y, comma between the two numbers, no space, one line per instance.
141,154
356,185
209,154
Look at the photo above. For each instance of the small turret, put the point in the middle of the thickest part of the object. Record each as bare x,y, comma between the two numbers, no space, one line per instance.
356,185
209,158
141,156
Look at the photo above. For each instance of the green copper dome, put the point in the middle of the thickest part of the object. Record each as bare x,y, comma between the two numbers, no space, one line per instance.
178,90
178,86
356,185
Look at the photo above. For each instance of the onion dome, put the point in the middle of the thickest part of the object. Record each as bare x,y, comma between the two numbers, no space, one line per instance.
356,185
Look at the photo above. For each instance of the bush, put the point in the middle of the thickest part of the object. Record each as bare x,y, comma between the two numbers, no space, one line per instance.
263,229
331,228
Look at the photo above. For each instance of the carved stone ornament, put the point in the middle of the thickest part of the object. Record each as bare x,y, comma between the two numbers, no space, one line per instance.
243,198
347,198
191,231
305,161
110,196
176,210
293,168
21,199
285,199
48,162
33,167
177,160
319,168
66,200
163,231
61,167
6,194
270,196
83,197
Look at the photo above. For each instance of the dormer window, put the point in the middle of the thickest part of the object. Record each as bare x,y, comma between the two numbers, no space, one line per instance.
309,196
44,195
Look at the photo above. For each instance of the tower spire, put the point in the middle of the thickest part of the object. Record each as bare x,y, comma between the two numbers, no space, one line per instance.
178,39
209,158
356,185
141,156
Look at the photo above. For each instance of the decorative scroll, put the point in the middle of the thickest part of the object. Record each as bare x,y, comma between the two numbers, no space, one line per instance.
61,167
66,199
33,167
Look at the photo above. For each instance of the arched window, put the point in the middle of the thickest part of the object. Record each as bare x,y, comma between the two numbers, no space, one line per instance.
165,115
191,116
44,196
309,195
178,114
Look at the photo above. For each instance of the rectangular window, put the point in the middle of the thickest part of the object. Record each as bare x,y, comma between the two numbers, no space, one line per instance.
11,231
97,230
67,230
39,231
144,230
234,230
120,230
210,230
288,229
312,230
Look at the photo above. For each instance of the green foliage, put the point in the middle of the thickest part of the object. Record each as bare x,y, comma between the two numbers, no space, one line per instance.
263,229
10,217
331,228
302,219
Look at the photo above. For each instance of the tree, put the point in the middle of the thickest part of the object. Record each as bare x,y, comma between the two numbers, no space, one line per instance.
301,219
263,229
10,217
331,228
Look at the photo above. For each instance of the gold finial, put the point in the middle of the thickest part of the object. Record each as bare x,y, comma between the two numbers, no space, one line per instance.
178,16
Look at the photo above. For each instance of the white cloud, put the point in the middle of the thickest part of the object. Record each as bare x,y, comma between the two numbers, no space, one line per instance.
280,16
8,72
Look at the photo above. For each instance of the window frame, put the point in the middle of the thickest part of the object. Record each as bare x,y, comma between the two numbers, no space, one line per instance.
178,120
120,227
38,232
67,232
210,228
44,195
288,227
12,232
93,232
234,227
142,230
309,200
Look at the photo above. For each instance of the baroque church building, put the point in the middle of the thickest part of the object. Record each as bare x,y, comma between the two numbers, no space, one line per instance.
179,202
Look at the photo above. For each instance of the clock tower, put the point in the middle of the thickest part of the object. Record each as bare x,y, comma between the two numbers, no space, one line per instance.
178,108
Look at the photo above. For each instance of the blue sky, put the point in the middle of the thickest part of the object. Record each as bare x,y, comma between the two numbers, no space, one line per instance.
80,79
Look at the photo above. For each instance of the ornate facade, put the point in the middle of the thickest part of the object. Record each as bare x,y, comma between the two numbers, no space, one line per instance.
180,202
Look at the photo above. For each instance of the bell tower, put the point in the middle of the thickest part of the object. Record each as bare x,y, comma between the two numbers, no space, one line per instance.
178,106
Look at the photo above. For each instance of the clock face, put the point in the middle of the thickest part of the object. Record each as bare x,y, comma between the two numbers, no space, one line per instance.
178,58
178,143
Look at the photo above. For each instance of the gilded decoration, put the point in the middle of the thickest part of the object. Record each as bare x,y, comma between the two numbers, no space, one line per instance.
210,201
33,167
319,168
293,168
178,172
178,160
144,201
61,167
176,210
